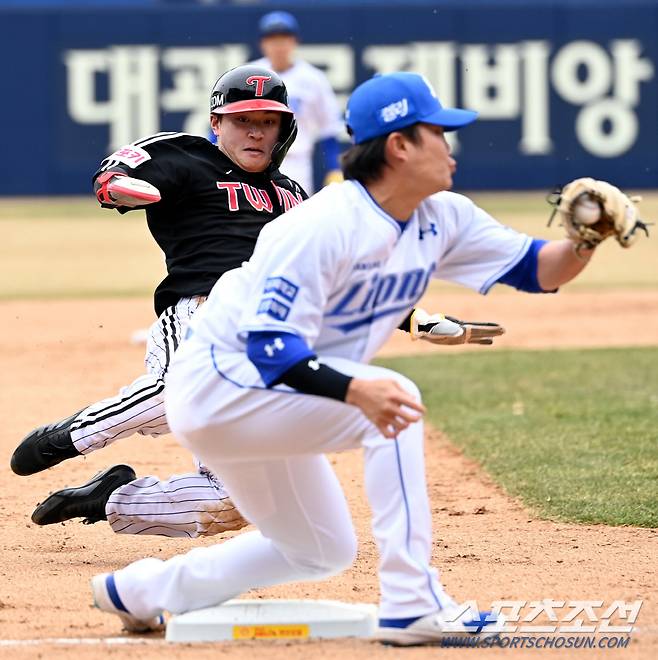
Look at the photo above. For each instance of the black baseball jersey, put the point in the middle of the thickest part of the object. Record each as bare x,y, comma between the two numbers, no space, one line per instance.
211,210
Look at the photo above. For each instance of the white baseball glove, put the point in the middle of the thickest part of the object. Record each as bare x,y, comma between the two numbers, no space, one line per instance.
448,331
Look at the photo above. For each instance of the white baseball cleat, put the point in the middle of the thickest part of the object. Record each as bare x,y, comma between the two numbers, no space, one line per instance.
106,598
442,627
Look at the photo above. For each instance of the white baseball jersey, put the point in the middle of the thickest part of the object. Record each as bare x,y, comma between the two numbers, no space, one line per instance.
341,273
316,110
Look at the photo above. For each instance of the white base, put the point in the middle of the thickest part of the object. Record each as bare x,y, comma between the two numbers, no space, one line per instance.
274,619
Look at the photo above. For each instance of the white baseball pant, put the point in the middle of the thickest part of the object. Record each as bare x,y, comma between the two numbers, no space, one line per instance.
268,446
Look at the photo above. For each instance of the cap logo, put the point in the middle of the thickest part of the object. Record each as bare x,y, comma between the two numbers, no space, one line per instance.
394,111
216,101
259,82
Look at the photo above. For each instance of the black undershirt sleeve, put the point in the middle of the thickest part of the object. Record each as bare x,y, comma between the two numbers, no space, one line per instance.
311,377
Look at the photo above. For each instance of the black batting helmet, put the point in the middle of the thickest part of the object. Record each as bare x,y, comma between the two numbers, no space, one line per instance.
250,88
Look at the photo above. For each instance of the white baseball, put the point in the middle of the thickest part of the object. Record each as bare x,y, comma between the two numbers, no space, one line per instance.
587,210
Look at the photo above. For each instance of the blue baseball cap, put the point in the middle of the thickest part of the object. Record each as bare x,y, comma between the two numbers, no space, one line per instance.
278,22
393,101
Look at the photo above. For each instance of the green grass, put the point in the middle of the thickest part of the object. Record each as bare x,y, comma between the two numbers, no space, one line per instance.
573,434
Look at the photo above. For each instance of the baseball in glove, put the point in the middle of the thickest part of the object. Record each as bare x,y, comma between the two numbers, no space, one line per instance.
591,210
447,330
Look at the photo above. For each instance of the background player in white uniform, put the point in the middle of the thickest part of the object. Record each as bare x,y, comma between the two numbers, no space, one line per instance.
310,96
274,372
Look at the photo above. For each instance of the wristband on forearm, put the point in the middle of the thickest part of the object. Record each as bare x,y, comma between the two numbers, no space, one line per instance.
311,377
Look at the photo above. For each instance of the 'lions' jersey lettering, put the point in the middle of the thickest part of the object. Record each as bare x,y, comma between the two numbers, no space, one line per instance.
394,287
346,280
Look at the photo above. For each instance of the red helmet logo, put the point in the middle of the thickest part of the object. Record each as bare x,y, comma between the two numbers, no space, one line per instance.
259,81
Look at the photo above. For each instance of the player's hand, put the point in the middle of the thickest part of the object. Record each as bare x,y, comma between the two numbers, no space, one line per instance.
385,403
117,189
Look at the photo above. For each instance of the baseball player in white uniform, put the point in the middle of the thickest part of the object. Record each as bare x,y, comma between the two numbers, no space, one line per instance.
309,95
274,374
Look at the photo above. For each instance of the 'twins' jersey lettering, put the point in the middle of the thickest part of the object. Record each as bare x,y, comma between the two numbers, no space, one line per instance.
203,193
257,197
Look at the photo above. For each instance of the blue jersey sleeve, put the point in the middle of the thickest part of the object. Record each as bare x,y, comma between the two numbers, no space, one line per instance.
274,353
523,275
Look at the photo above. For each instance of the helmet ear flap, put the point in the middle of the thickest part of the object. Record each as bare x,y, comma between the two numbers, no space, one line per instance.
287,137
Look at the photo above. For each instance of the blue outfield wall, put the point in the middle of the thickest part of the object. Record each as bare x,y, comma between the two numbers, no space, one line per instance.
562,90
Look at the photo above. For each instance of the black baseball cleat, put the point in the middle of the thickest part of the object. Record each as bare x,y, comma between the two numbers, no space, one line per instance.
44,447
87,501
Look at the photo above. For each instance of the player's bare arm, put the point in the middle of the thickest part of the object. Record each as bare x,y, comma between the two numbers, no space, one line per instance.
558,263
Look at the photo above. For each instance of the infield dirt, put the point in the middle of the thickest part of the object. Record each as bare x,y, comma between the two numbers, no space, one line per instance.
57,356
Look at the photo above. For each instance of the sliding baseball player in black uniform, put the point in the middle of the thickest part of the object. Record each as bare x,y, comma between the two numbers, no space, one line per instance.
205,206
